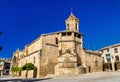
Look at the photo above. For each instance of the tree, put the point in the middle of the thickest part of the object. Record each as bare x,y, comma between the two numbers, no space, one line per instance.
20,68
13,69
27,67
16,69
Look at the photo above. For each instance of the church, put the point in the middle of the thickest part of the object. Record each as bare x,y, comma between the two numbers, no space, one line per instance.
58,53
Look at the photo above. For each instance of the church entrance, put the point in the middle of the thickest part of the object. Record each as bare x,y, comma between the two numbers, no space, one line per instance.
89,69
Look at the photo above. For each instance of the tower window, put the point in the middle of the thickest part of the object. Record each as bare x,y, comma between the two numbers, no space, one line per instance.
63,34
78,35
56,40
68,25
69,33
75,34
75,26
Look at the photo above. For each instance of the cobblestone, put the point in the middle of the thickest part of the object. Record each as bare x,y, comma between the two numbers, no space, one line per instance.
90,77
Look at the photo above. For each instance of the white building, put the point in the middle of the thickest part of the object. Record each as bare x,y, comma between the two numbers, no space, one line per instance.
111,57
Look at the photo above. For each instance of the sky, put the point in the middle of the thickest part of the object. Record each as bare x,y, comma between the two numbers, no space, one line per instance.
22,21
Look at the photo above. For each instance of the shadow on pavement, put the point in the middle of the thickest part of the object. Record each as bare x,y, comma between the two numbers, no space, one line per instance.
23,80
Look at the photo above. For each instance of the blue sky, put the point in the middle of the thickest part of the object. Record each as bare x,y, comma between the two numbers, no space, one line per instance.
22,21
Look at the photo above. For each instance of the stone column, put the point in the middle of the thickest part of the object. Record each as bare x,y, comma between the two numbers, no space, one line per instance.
113,66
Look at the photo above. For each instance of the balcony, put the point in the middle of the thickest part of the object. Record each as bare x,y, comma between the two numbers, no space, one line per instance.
107,61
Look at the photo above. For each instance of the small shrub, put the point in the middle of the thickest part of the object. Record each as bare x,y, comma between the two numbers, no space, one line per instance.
28,66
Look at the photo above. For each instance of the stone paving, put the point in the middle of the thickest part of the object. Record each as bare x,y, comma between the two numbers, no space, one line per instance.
90,77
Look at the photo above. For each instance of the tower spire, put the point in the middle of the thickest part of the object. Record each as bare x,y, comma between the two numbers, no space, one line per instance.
72,22
71,9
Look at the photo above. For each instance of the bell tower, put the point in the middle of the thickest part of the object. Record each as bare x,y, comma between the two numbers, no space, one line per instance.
70,46
72,23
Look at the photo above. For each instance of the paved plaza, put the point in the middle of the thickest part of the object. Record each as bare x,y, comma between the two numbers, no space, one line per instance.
90,77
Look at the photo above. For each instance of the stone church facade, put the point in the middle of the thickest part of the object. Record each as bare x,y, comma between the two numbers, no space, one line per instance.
59,53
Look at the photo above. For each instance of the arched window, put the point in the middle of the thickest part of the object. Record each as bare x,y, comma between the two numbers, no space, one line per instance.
56,40
68,26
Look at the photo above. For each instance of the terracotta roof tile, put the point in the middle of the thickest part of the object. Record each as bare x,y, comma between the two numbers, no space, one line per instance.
72,17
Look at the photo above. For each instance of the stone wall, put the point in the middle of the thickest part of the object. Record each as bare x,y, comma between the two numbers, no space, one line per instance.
29,75
34,46
34,59
67,64
93,62
80,54
49,57
23,73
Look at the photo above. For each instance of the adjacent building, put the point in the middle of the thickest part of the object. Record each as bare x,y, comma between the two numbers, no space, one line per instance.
59,53
111,57
1,67
5,66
